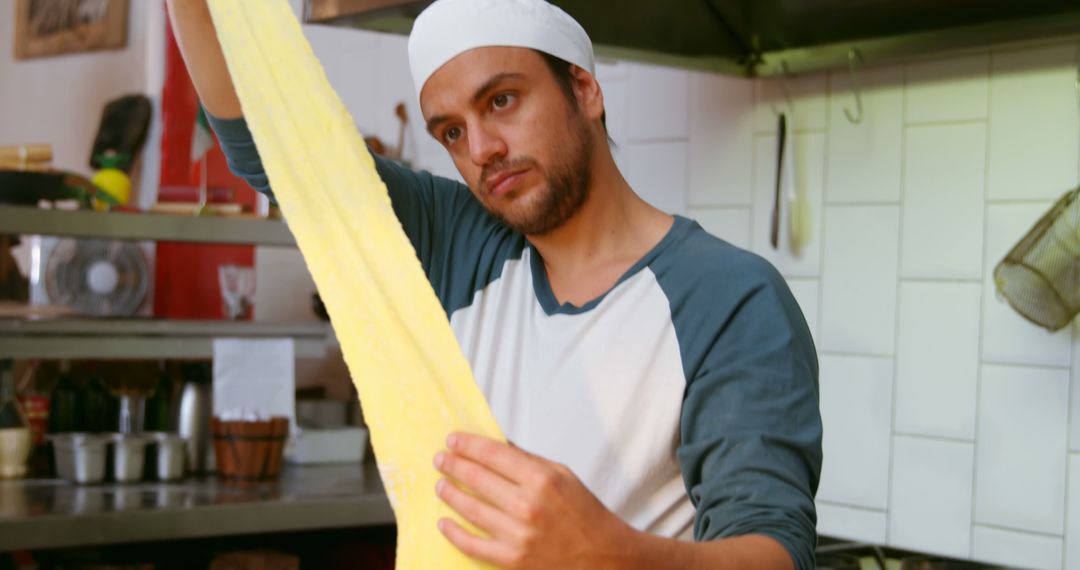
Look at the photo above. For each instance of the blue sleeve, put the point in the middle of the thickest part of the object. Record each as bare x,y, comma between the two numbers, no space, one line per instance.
751,424
461,247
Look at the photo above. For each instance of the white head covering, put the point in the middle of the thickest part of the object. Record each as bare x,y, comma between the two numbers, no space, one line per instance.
448,28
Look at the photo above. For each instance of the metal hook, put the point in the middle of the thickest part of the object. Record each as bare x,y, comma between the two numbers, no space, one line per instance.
782,82
854,57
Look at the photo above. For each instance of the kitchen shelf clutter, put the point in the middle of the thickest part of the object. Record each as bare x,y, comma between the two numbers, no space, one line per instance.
32,336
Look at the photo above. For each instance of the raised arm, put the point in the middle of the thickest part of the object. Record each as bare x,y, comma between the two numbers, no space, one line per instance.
195,34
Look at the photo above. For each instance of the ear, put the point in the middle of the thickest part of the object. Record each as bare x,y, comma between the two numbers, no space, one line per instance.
588,93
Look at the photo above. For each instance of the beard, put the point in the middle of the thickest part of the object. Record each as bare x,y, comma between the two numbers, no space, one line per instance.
565,188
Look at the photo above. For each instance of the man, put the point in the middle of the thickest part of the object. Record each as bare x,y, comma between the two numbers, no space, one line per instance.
657,383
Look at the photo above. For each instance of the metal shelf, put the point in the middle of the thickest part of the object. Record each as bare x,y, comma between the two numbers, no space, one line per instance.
145,338
144,226
49,513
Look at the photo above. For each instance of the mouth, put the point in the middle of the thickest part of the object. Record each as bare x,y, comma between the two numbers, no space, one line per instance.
500,184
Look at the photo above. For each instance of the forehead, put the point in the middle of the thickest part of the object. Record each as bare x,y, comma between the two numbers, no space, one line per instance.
457,80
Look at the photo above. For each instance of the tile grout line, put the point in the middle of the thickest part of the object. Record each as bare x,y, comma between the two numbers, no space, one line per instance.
848,354
1025,532
821,223
982,303
692,81
1070,417
897,311
755,99
934,437
1042,367
872,510
939,280
947,122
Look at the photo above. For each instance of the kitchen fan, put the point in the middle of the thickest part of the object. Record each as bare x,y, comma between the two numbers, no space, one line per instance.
97,277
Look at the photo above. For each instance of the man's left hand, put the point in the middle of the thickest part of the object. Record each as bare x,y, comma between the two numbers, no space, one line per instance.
536,513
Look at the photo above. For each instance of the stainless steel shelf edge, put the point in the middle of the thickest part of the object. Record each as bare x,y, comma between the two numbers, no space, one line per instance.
146,338
129,347
136,326
144,226
42,514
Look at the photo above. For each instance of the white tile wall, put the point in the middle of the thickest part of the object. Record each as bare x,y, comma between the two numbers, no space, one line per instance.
657,172
396,86
1033,123
859,281
865,158
809,154
856,409
350,73
617,104
1021,448
840,521
930,502
1008,337
729,224
1016,549
805,106
1074,408
659,101
721,140
953,89
283,286
612,69
807,293
937,359
1072,526
943,202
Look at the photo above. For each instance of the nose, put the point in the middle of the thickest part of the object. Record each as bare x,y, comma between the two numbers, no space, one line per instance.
485,144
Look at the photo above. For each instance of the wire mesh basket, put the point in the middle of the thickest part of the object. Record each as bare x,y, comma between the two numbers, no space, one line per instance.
1040,277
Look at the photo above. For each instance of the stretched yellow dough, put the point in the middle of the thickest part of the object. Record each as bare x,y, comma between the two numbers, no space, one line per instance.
414,383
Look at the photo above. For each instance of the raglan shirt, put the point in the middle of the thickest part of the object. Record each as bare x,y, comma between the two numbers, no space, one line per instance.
685,398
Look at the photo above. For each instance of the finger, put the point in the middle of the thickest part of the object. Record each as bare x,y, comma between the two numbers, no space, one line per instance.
491,520
508,461
485,483
484,549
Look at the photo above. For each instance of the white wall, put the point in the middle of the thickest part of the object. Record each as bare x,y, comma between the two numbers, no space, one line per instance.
58,100
947,416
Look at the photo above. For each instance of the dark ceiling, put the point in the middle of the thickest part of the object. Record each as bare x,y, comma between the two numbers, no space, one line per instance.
752,37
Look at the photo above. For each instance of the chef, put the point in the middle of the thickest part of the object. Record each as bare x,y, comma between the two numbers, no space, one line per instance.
658,385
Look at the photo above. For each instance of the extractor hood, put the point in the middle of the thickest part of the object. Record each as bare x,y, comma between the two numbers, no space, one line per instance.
767,37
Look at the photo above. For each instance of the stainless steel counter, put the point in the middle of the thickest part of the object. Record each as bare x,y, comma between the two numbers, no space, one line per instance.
37,514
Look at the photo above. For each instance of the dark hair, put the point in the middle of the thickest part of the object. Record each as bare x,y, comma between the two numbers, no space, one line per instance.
560,68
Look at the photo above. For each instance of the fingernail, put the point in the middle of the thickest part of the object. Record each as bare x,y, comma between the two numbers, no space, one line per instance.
441,525
439,486
451,440
439,458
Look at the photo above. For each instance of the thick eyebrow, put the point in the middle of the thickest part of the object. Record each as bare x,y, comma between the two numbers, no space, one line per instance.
480,93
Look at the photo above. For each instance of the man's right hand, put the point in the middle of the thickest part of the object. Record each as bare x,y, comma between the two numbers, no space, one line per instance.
197,38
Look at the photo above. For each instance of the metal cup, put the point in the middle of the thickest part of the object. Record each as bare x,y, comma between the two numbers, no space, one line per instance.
80,457
128,457
169,451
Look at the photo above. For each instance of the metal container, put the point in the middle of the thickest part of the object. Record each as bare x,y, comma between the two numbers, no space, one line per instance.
80,457
194,423
169,452
128,456
132,413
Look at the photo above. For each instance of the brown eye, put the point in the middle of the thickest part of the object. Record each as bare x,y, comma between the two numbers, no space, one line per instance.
451,135
502,100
